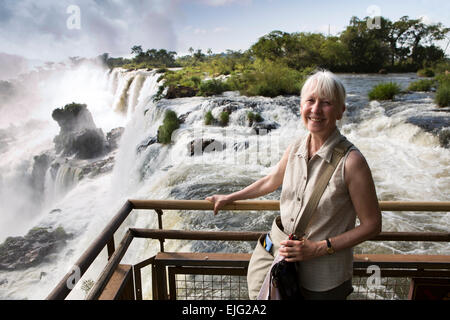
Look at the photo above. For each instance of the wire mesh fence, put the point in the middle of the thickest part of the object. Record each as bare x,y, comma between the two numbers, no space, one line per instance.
389,288
234,287
211,287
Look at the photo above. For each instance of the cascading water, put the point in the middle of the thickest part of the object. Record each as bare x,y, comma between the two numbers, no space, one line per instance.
407,162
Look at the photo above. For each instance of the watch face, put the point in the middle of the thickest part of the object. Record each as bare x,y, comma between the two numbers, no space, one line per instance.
330,250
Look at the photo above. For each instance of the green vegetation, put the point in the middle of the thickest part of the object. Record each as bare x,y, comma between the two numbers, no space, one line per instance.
384,91
426,72
270,80
442,97
212,87
254,117
224,118
209,119
421,85
278,62
170,124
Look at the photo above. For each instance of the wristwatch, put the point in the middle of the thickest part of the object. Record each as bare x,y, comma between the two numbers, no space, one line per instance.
330,249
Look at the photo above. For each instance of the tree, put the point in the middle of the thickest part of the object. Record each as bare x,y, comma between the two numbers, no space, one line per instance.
136,50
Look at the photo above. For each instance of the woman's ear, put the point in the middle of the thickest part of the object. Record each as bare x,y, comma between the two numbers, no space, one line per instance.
340,114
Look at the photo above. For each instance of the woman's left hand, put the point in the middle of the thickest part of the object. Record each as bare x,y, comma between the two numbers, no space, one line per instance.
298,250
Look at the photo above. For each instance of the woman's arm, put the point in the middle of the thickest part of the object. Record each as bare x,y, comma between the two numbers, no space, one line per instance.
364,198
259,188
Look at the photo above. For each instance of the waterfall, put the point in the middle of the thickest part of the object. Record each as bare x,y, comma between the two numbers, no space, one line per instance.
397,151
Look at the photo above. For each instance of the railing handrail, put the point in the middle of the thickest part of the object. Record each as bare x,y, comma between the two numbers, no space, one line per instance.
275,205
91,253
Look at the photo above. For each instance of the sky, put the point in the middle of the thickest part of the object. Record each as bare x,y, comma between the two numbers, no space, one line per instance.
52,30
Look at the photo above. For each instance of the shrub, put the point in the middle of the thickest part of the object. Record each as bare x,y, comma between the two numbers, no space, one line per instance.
254,117
209,119
384,91
224,118
421,85
170,124
271,80
426,72
212,87
442,97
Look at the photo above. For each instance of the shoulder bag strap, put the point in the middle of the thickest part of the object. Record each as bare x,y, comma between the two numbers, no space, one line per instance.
338,153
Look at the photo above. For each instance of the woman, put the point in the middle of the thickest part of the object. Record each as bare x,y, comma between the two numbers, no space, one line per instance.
325,253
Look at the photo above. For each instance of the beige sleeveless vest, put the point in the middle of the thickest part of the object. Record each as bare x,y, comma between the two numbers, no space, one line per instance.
334,215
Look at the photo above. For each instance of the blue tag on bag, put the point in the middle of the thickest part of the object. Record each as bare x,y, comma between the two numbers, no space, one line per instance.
267,243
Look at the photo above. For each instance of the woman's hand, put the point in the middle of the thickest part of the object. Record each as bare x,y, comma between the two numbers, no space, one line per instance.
219,201
300,250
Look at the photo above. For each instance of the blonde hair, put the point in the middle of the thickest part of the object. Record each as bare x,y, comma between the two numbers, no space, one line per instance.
324,84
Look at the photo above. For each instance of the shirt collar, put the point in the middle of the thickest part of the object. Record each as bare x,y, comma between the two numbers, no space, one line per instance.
326,150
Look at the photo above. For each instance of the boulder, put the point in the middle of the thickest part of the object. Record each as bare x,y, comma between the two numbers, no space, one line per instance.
78,135
180,92
148,142
113,138
40,166
23,252
262,128
198,146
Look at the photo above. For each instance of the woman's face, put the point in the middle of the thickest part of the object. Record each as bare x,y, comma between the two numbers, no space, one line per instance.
320,114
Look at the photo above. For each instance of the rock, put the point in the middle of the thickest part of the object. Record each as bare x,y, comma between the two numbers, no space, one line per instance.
180,92
97,167
262,128
113,138
40,166
444,138
241,145
150,140
182,118
23,252
382,71
78,135
198,146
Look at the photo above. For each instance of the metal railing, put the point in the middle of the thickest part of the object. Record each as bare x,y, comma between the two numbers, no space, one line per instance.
106,237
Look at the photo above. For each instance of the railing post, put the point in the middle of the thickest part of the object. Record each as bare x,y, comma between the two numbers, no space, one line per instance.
111,247
160,226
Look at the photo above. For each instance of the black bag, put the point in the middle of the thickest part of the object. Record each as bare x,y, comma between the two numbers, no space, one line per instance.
284,277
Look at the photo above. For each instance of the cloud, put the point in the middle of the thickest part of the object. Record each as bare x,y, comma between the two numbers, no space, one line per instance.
218,3
220,29
38,29
12,65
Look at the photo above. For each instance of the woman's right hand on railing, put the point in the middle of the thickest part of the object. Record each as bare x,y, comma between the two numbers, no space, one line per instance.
219,201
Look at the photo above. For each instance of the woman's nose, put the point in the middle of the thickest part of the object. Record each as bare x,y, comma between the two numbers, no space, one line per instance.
315,108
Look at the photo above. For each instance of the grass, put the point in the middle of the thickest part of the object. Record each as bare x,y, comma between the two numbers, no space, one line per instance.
426,72
209,118
421,85
442,97
254,117
170,124
384,91
224,118
212,87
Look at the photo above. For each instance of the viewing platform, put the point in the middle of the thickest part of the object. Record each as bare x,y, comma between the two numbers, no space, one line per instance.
212,276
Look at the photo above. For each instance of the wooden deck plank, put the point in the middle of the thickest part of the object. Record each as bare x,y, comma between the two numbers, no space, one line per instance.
118,286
